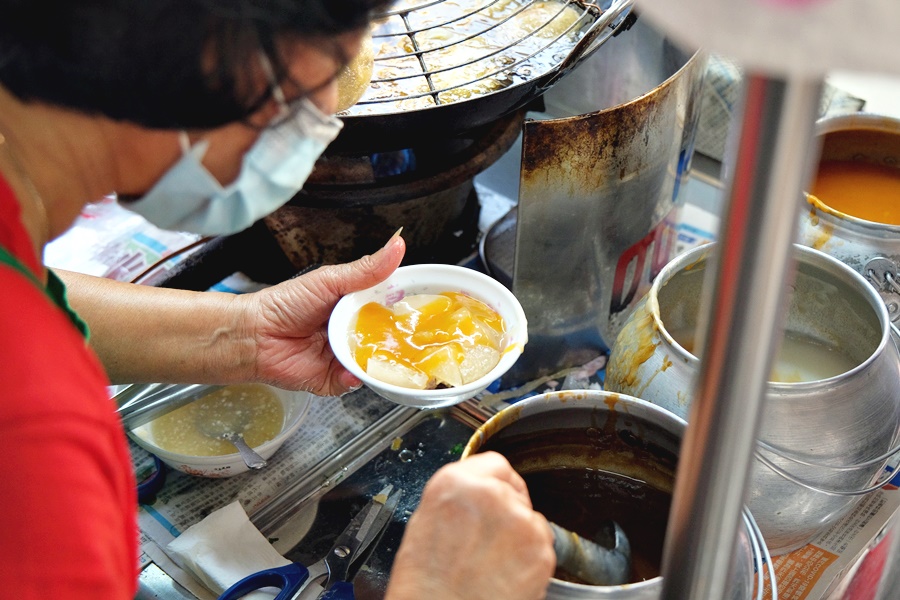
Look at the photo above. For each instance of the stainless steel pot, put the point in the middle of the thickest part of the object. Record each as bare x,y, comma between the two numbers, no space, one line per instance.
872,249
600,416
823,443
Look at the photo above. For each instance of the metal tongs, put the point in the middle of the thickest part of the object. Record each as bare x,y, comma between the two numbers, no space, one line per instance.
141,403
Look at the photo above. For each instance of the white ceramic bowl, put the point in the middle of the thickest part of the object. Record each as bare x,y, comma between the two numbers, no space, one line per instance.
430,279
296,405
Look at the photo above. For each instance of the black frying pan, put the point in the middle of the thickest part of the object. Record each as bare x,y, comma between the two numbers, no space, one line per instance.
409,128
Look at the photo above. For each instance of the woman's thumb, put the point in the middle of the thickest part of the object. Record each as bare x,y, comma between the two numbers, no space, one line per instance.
369,270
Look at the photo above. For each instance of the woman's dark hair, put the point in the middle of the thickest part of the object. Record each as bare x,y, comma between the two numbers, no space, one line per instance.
140,60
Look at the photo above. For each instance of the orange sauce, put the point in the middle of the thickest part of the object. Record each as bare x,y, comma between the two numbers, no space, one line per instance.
451,338
860,189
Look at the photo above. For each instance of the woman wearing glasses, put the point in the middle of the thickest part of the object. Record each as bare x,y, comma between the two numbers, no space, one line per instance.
205,116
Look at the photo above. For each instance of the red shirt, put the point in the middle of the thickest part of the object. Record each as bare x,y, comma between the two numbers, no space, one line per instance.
68,525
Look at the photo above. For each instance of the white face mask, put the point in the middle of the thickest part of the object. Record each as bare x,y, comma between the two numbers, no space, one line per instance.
189,198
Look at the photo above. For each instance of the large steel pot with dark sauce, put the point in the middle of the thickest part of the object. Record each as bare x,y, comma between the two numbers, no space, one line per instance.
589,457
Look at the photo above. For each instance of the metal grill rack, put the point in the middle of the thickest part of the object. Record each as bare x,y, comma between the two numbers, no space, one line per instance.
474,36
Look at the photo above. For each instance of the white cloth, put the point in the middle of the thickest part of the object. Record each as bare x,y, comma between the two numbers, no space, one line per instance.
224,548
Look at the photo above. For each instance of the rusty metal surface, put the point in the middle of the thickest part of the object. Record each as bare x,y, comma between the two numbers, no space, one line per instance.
598,202
310,236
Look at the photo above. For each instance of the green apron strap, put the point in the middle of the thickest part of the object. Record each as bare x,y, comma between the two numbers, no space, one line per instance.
55,289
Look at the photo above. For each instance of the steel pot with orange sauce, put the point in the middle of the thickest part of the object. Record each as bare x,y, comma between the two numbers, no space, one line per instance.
852,211
831,417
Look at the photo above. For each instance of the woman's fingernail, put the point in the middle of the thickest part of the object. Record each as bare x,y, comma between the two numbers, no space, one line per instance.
351,390
391,239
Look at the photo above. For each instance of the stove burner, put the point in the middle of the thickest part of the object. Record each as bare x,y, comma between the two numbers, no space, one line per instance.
391,164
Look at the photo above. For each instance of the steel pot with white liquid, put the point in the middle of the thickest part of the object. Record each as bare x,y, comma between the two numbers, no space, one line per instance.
832,409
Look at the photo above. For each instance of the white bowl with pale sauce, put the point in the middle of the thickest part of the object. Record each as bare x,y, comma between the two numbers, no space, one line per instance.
267,417
429,279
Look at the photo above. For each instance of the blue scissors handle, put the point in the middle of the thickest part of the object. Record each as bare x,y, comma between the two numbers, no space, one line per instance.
340,590
290,578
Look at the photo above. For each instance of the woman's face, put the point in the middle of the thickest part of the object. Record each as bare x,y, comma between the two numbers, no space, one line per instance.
148,154
311,67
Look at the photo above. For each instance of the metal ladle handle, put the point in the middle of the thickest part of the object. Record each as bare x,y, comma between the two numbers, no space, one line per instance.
251,458
591,562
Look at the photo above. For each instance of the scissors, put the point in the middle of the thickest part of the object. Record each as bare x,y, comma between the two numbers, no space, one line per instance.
292,579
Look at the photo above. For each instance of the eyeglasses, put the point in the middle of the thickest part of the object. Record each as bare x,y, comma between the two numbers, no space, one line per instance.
287,109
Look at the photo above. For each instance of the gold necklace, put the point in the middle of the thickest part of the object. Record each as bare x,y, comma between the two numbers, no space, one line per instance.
26,180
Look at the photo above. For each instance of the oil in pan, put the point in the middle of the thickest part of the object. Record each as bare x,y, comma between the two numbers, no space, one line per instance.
429,53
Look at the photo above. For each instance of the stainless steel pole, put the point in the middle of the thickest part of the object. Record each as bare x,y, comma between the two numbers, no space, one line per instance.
774,153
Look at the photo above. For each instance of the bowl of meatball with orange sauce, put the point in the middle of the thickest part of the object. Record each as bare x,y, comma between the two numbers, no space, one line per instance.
430,335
